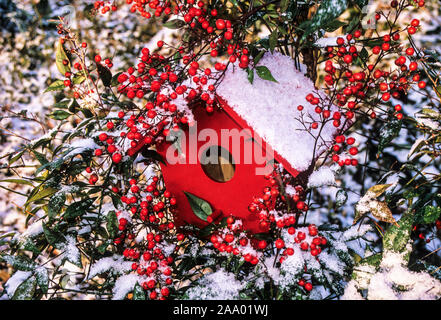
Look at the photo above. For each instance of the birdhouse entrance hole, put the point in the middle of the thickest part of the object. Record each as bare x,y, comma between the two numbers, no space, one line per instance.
218,164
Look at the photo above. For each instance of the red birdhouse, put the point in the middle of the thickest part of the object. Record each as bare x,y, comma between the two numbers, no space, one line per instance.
223,157
222,171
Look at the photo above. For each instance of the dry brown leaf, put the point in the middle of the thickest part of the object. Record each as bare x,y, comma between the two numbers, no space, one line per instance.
379,189
381,211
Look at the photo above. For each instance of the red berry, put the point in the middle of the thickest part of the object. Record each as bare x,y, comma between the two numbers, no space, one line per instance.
304,246
229,238
165,291
308,286
220,24
415,23
262,244
279,243
353,151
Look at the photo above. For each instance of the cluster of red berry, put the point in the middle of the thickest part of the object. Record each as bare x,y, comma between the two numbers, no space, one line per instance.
355,77
148,207
359,74
340,143
153,265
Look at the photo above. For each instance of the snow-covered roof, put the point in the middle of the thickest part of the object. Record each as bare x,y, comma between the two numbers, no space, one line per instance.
270,108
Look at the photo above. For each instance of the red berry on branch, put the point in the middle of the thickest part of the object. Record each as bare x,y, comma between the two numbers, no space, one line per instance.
353,151
308,286
220,24
262,244
415,23
279,243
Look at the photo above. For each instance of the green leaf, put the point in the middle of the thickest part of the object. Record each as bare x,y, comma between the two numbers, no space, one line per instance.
18,181
16,157
79,208
28,245
41,195
78,79
264,73
234,2
387,133
273,40
57,85
51,165
250,75
42,277
60,115
138,293
174,24
334,25
397,236
207,231
60,56
103,247
64,104
53,237
328,11
55,204
352,24
114,82
364,55
361,3
340,198
258,57
105,74
112,224
200,207
40,157
284,4
86,112
427,215
26,290
22,263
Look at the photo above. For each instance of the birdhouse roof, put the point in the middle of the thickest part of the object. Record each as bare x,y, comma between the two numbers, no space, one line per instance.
270,109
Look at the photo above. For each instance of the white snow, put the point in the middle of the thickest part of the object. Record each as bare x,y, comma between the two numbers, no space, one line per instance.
396,282
415,145
366,203
70,249
392,281
17,279
82,145
355,232
327,42
427,120
115,263
324,176
123,285
219,285
271,108
34,229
